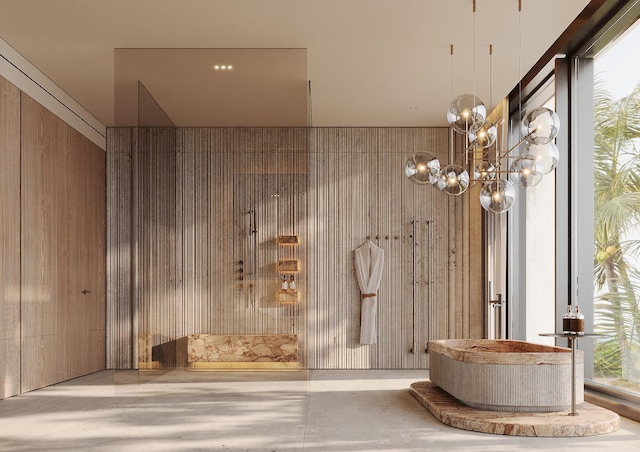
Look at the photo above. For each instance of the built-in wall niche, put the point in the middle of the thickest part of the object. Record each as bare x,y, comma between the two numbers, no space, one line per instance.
288,266
288,270
288,240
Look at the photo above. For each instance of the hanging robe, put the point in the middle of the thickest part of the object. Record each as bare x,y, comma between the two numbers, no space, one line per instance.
369,260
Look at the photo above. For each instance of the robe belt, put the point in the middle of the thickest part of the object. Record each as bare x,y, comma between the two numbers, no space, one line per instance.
368,295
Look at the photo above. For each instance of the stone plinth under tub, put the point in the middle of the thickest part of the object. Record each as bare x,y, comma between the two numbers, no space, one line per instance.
591,419
215,350
506,375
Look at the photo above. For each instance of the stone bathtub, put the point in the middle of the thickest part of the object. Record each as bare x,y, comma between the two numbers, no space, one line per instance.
506,375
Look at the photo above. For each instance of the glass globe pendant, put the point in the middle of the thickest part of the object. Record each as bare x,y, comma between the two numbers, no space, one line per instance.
484,137
466,113
484,170
497,196
454,180
422,169
525,171
540,126
547,156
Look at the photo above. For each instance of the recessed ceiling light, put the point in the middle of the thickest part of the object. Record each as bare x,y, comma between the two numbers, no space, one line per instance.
222,67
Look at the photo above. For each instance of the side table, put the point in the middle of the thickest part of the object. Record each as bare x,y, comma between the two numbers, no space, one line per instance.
573,339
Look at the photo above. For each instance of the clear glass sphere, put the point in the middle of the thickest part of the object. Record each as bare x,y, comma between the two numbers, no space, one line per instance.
484,170
422,169
497,196
547,155
484,137
525,171
453,180
466,113
540,126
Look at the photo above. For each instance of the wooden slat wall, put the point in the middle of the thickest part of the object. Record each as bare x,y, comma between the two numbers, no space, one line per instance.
119,248
190,221
357,191
192,191
9,239
63,250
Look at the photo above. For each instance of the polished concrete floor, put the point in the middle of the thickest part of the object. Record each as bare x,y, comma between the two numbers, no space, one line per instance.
253,411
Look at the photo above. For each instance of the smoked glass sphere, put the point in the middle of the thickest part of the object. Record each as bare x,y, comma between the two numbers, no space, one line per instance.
497,196
525,171
466,113
422,168
547,156
454,180
484,170
484,137
540,126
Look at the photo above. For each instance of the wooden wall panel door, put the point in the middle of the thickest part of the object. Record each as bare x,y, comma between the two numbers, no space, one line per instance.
9,239
40,354
85,312
63,250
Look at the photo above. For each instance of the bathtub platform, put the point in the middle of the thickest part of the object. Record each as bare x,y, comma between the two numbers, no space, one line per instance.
591,420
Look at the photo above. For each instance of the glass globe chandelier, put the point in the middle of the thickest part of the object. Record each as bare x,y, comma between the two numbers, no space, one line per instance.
500,172
467,116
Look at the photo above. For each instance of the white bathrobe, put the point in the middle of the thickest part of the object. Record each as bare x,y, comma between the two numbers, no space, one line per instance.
369,263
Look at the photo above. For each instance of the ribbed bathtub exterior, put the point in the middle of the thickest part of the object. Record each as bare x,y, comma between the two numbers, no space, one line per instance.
533,387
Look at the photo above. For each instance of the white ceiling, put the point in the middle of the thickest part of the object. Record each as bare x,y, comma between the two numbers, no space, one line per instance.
370,62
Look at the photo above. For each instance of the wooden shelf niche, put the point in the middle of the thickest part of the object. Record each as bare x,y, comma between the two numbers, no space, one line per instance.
288,266
288,297
288,240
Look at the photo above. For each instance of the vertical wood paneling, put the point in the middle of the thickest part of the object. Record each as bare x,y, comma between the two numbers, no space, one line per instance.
40,205
193,190
332,186
156,232
62,248
9,239
119,248
357,191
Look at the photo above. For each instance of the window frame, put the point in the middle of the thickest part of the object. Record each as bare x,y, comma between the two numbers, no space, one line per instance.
569,63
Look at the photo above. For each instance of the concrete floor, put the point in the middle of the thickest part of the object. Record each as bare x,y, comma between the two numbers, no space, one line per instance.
255,411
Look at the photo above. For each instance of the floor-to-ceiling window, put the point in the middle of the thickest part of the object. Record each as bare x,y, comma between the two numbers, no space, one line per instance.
598,193
616,212
596,197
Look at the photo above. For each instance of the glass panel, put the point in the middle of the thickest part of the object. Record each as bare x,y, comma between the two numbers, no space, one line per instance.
617,213
532,299
540,255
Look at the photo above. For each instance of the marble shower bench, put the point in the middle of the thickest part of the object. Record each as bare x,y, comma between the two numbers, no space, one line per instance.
223,351
206,351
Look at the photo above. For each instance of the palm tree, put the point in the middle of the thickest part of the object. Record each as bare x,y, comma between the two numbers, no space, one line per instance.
617,226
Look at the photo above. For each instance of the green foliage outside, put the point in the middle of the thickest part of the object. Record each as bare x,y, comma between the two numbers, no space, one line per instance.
617,236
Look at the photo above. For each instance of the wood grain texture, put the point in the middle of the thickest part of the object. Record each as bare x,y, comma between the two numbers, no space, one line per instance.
119,249
224,195
63,250
361,193
192,191
9,239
